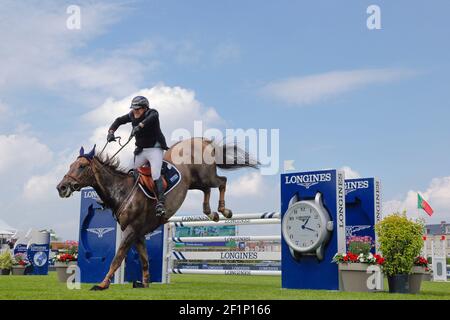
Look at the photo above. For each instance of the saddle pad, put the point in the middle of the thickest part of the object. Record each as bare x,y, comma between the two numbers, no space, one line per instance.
171,175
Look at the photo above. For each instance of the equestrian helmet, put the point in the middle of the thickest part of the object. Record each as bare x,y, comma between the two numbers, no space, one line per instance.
139,102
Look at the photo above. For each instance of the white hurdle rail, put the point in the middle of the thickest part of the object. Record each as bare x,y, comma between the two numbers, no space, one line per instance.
225,239
265,215
238,219
228,272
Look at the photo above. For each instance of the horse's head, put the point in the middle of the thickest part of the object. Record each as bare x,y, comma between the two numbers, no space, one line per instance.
80,174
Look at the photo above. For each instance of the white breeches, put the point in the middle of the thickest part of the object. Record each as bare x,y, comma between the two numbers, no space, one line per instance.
152,155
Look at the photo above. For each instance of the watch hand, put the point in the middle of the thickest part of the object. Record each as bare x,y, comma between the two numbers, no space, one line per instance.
309,229
306,221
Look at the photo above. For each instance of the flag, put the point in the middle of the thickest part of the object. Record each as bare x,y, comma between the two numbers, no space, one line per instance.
422,204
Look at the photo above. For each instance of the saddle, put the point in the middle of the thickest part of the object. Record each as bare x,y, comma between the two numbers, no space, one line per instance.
145,178
170,176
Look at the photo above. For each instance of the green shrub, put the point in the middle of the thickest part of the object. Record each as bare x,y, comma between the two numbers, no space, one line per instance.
6,261
400,242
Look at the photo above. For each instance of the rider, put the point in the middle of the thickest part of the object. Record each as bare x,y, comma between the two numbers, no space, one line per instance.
150,142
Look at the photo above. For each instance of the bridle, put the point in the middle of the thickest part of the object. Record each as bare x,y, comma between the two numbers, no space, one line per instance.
103,164
75,178
127,199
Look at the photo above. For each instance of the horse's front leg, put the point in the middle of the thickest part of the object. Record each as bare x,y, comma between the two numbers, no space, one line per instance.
128,239
143,256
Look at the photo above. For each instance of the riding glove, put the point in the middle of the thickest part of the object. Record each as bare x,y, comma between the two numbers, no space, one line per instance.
110,137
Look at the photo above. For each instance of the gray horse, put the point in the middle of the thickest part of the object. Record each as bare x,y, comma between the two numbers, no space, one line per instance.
134,211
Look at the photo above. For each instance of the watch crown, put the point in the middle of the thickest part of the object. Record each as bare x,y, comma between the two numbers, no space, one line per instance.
330,225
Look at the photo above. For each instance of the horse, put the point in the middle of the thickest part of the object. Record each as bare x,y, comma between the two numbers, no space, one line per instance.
135,212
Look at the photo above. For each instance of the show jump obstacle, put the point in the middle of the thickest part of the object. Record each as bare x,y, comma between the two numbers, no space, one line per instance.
319,210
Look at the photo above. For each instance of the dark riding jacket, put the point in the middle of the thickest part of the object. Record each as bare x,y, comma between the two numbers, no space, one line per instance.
150,134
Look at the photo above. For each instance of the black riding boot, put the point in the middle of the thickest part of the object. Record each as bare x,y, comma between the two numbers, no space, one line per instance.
161,198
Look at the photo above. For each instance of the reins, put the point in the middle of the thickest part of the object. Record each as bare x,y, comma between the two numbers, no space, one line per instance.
121,147
127,199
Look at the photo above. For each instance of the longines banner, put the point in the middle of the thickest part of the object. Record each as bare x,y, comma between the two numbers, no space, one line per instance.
363,207
313,228
99,238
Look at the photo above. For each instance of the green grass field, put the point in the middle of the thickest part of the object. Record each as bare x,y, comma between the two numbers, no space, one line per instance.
196,287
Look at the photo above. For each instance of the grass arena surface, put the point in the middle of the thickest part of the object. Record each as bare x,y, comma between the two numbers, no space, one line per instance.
194,287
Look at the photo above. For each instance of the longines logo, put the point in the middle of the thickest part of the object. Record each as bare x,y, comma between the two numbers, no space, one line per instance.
351,186
377,201
351,230
251,255
308,180
91,194
341,200
150,235
100,232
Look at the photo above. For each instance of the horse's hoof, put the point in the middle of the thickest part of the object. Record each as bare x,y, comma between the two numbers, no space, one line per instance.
98,288
139,284
227,213
214,216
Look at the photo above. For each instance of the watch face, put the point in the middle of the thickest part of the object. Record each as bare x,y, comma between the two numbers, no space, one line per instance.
303,226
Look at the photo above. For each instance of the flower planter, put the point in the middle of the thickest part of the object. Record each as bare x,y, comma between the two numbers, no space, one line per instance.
18,270
427,276
353,277
5,272
415,279
399,283
61,270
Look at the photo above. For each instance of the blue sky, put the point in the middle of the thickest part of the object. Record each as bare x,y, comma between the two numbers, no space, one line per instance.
374,101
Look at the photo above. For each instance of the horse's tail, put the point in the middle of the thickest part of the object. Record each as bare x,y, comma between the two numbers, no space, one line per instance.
230,156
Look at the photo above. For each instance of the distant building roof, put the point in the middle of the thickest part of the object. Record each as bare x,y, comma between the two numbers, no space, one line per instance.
438,229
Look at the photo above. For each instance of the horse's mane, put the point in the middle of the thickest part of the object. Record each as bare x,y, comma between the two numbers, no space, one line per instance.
113,165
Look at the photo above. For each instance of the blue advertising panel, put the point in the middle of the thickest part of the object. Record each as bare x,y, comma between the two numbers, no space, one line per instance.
313,228
363,207
36,247
154,243
38,255
20,248
97,241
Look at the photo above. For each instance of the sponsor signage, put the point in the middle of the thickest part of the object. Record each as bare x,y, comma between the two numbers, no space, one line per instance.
363,207
307,270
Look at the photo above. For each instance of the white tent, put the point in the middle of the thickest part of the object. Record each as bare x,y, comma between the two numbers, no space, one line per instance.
6,229
6,233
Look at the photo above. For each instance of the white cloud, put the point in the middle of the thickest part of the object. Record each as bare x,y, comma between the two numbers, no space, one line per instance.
350,173
437,195
249,185
302,91
41,52
22,153
39,187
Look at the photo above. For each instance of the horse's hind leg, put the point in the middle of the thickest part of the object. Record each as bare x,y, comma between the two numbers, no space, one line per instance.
227,213
129,237
143,256
214,216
